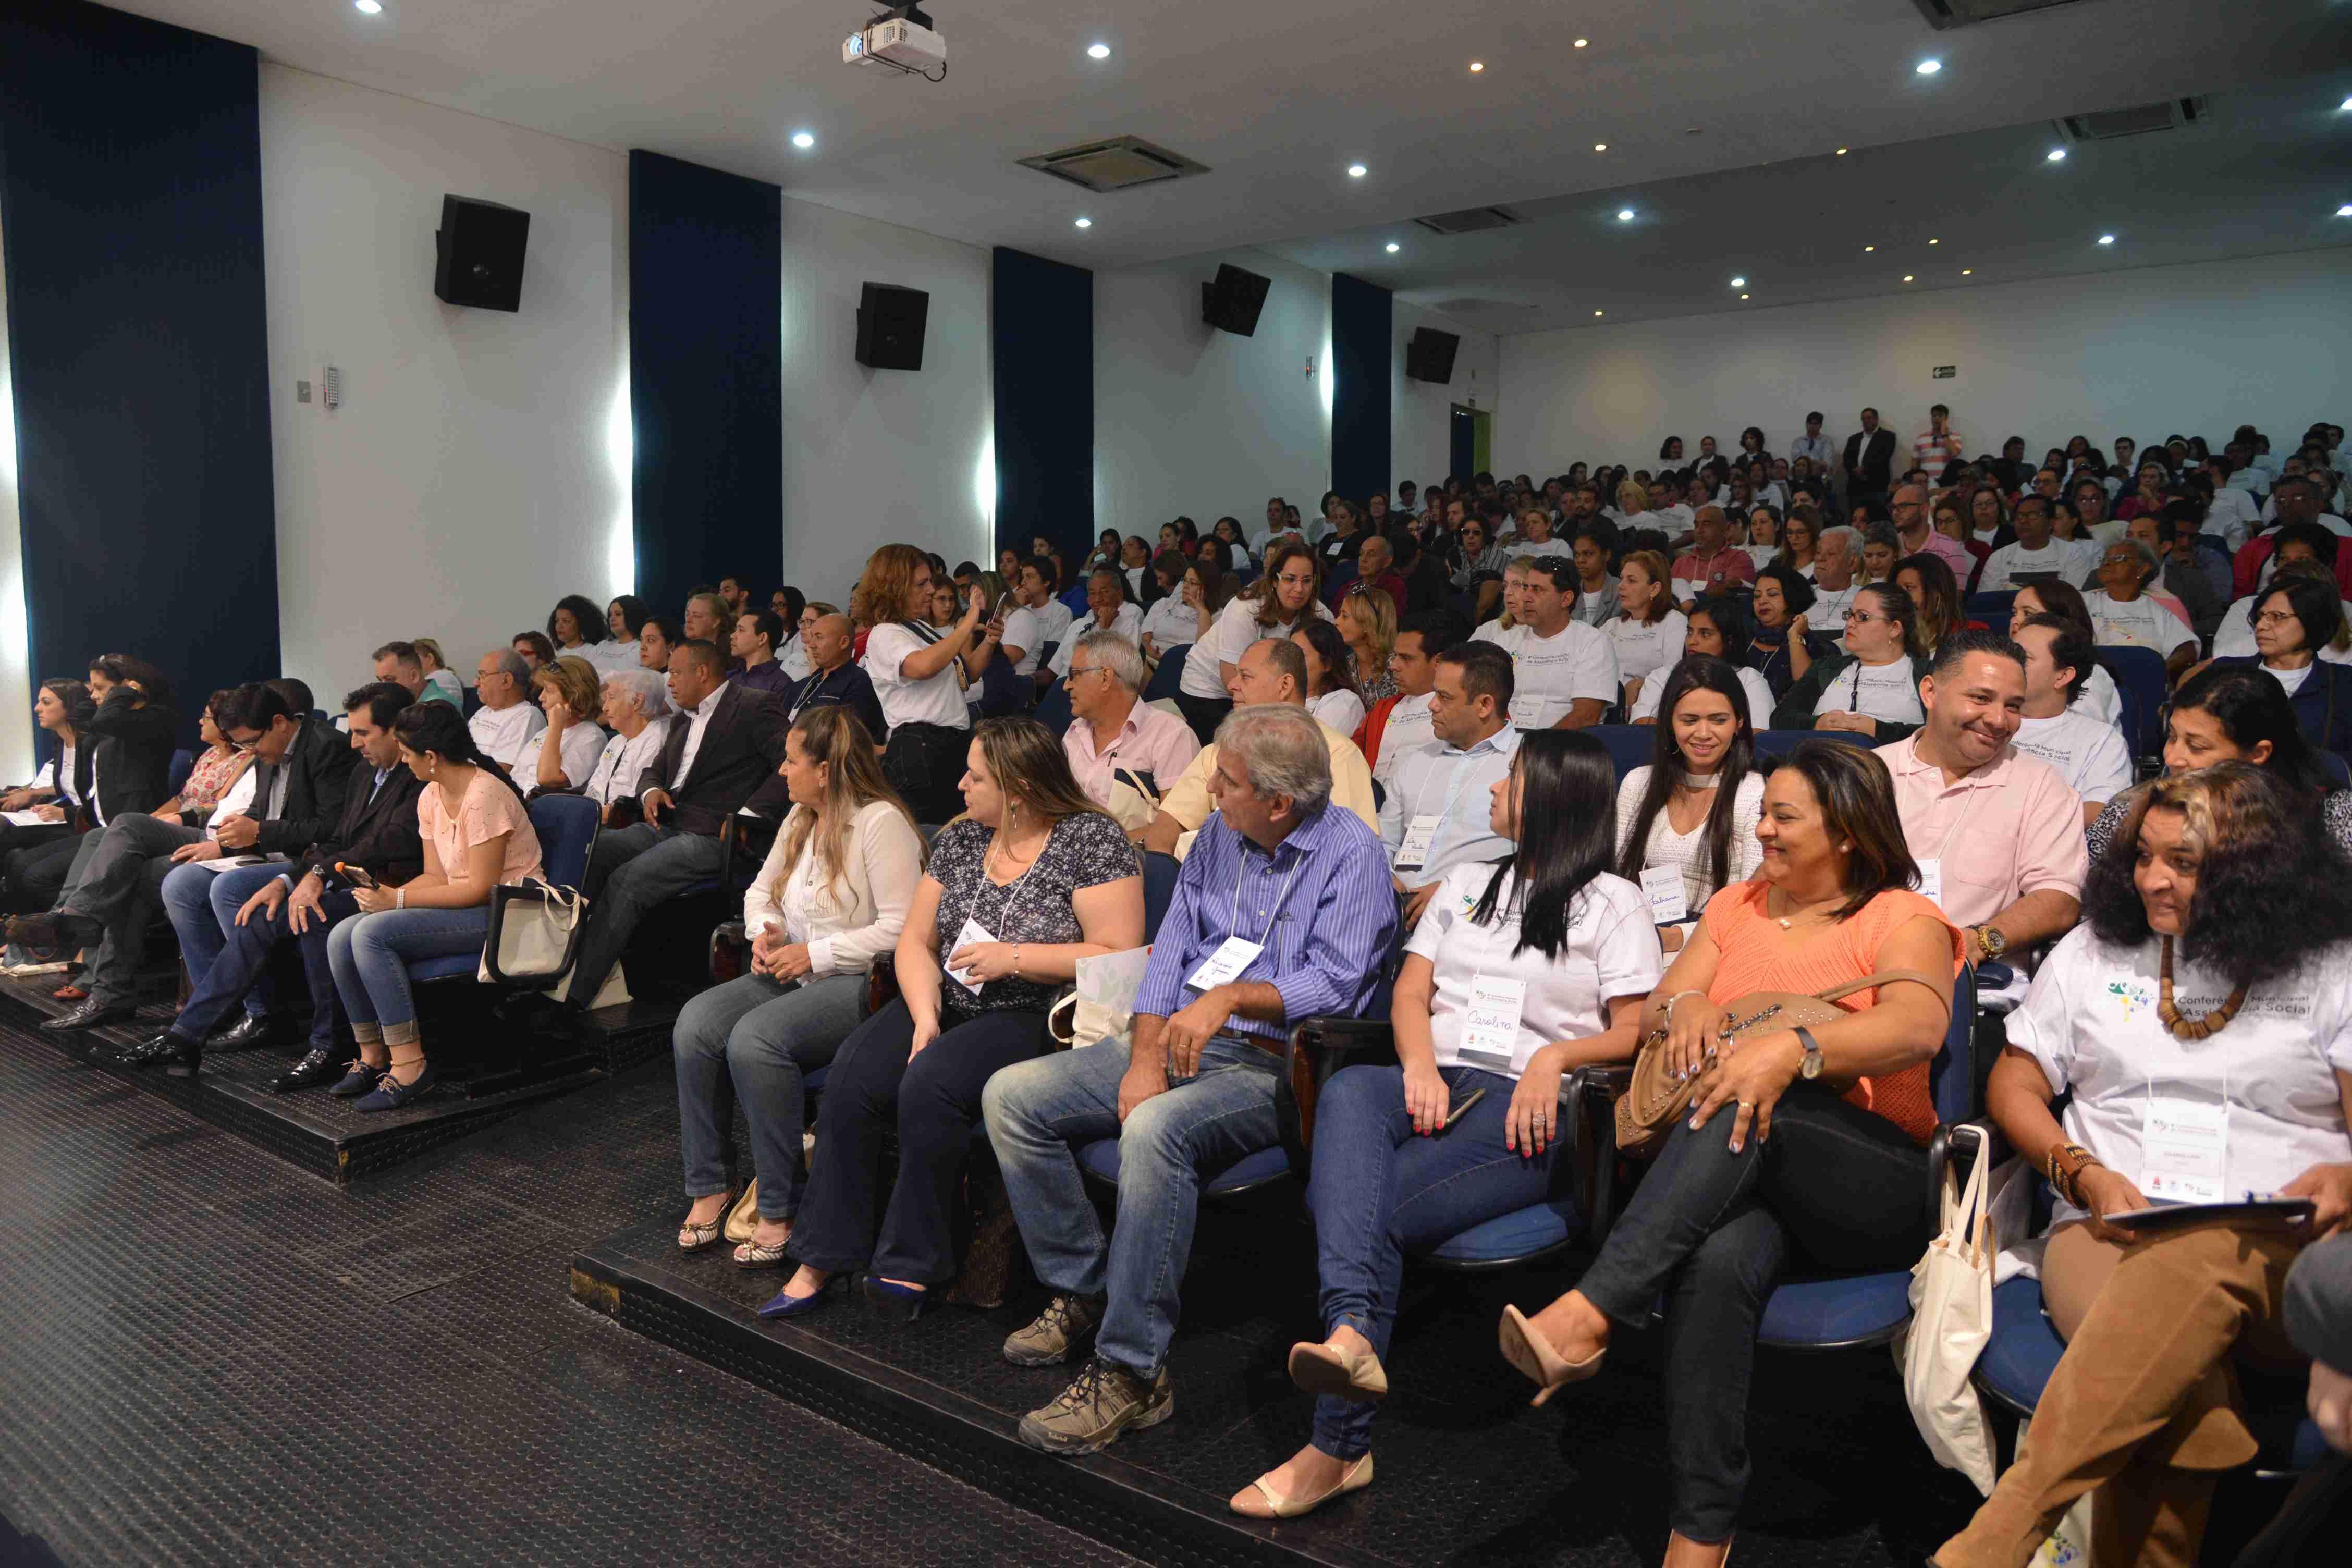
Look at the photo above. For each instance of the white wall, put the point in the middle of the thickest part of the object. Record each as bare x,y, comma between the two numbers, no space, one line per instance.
472,475
1193,420
1421,412
873,456
2197,349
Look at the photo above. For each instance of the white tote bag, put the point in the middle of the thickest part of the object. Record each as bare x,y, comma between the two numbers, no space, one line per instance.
1102,1003
1951,1321
535,935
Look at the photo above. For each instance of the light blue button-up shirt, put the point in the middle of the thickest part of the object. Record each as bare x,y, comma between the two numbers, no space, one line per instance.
1450,782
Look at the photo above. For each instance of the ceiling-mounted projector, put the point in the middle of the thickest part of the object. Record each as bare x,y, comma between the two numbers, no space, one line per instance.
902,39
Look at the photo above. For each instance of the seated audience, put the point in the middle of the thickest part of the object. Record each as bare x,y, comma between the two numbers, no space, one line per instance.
1367,625
1278,605
559,759
1780,647
1031,879
1400,724
722,752
1713,565
536,650
1174,619
827,905
656,634
625,617
2292,621
446,686
1689,814
1799,542
1596,601
1116,739
2183,586
1333,697
59,792
1108,608
2123,614
1648,633
2036,554
752,643
476,835
1933,588
1717,628
1548,914
833,680
575,627
1273,673
215,770
1872,689
2089,751
636,708
506,718
1437,813
707,616
1482,563
1568,674
1837,559
227,947
407,666
2234,637
298,772
1034,618
2100,698
914,671
1723,1213
2228,866
1193,1085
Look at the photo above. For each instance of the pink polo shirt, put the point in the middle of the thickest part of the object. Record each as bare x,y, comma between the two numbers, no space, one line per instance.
1956,554
1151,741
2010,828
1712,574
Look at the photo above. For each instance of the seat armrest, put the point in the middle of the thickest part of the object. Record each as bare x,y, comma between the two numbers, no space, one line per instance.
1954,1149
730,951
1318,1049
1588,1103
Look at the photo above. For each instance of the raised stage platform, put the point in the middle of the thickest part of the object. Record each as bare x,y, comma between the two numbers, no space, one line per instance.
1466,1472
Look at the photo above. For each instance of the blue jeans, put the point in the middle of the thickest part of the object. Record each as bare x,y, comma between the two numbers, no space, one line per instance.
245,955
202,907
370,955
1379,1190
1041,1112
753,1039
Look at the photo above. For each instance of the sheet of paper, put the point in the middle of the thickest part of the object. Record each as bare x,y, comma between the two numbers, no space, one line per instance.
25,818
973,932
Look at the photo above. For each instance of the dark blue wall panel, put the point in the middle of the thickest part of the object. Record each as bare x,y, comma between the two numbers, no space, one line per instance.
706,377
1361,314
130,204
1041,334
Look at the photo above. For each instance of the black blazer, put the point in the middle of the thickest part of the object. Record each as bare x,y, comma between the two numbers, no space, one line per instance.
735,766
382,834
1871,466
133,747
320,761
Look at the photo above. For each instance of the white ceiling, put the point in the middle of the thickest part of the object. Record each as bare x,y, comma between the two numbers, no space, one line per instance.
1278,99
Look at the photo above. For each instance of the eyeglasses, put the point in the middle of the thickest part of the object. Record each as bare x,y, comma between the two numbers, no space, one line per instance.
244,745
2273,617
1863,617
1078,669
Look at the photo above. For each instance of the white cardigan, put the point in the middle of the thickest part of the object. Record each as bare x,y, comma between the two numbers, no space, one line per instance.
882,864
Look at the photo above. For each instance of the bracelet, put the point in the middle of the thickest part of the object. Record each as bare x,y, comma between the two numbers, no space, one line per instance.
1675,998
2064,1164
1016,961
400,897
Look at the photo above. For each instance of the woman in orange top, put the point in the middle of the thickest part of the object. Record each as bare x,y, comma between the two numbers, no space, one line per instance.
1825,1129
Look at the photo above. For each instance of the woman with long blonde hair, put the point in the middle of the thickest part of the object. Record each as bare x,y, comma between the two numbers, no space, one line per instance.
912,666
1368,624
1030,879
828,903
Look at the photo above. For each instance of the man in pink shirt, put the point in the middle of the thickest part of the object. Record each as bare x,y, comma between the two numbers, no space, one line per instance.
1112,730
1938,445
1915,533
1997,835
1713,565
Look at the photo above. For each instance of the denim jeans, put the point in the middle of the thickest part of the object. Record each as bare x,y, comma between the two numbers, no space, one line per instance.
119,886
753,1039
935,1100
1379,1190
631,873
245,955
1845,1189
202,907
370,955
1040,1114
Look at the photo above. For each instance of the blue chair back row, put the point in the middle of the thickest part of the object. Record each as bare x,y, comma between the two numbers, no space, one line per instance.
1053,707
175,776
2143,683
1168,676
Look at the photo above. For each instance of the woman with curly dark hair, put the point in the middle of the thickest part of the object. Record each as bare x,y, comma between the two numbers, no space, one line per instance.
2201,1018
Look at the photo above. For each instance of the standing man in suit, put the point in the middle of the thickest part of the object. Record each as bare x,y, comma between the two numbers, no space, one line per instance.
228,951
300,769
724,748
1869,457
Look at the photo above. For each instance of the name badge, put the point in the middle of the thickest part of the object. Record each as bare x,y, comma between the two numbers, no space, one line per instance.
973,931
1527,713
1931,880
1490,1029
1224,966
2184,1150
1414,853
1664,885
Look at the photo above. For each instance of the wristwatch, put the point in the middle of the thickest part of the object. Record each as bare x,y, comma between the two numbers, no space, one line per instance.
1990,943
1812,1067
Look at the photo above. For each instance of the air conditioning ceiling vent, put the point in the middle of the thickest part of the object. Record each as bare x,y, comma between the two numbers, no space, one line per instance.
1470,220
2140,120
1120,163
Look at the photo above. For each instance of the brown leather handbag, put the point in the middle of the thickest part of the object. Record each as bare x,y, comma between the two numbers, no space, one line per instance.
1647,1109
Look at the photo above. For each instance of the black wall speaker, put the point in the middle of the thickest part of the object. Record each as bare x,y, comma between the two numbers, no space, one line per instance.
1429,356
890,326
478,254
1233,301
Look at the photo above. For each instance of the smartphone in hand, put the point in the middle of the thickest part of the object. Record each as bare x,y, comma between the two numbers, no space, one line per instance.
357,876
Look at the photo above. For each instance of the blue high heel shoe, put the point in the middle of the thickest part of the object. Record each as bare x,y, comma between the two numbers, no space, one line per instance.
784,1305
902,1301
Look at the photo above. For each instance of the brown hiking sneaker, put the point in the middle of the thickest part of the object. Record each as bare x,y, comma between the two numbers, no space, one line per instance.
1056,1332
1090,1414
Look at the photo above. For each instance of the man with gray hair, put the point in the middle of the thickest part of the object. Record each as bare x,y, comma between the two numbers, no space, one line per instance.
1284,911
1113,732
636,710
1271,673
508,717
1836,553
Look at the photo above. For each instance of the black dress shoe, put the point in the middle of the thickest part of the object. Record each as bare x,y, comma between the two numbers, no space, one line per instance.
91,1015
246,1034
319,1067
181,1057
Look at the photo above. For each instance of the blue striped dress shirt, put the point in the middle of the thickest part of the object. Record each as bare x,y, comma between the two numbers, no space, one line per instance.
1321,904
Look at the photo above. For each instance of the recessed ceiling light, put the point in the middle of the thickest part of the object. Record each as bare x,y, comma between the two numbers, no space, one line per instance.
1966,270
1357,171
1870,247
2057,154
2347,104
1906,278
1841,151
2107,239
1596,312
1600,146
1580,43
1098,51
1624,214
1929,67
367,7
803,140
1477,65
1393,247
1740,283
2344,211
1743,295
1085,223
1935,242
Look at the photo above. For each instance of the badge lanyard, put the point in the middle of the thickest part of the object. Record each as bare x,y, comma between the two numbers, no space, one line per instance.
1233,914
1446,811
1012,895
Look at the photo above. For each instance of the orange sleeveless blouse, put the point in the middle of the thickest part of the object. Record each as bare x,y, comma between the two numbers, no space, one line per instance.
1735,919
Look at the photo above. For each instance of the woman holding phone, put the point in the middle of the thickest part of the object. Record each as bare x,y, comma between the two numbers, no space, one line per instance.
828,904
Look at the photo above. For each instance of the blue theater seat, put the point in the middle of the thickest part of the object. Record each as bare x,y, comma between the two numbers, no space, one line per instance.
1168,675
